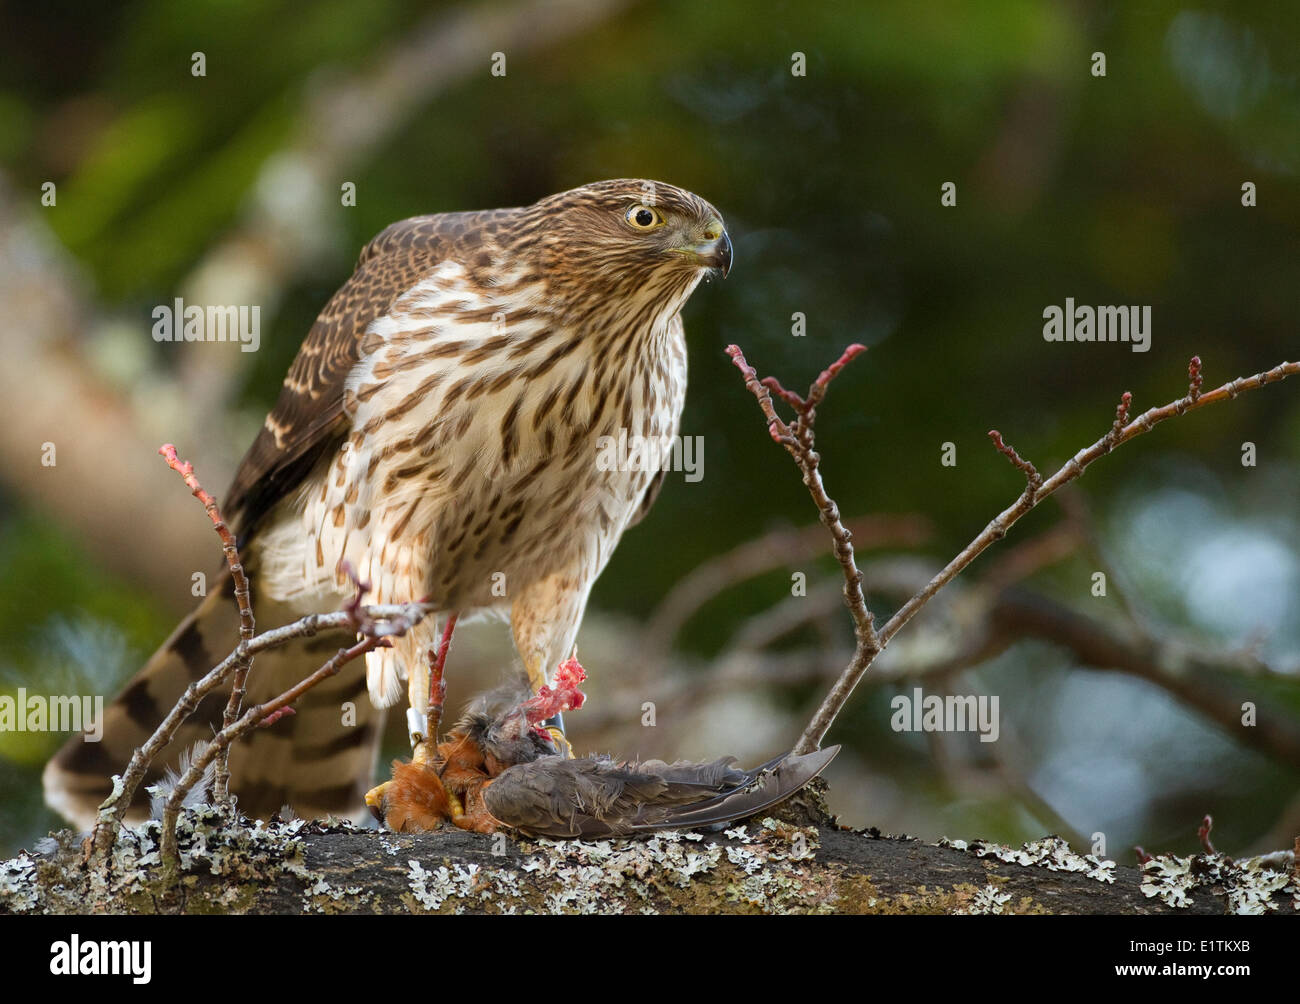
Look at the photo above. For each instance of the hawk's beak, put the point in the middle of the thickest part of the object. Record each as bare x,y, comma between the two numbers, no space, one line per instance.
715,250
722,254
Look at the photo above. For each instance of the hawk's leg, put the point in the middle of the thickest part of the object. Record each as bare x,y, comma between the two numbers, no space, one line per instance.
544,618
426,693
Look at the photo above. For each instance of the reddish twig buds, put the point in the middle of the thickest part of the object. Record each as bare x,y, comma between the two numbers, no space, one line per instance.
823,382
1203,832
795,436
1112,438
1032,477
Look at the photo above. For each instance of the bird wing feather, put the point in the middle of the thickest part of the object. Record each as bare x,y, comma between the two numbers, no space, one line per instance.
769,788
308,417
596,797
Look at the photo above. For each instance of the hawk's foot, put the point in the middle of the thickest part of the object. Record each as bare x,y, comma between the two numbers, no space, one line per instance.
561,741
545,709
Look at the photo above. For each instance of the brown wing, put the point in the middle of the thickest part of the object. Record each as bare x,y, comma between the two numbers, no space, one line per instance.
308,417
595,797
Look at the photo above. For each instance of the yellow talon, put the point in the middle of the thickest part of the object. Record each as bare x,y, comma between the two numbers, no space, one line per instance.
375,800
561,741
423,750
375,796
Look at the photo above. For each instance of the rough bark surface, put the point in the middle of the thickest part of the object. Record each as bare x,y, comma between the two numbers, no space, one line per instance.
762,866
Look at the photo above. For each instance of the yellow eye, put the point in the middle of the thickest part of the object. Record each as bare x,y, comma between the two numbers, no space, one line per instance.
644,217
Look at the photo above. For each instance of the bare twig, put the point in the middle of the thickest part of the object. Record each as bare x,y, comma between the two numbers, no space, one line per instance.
797,439
1033,479
247,625
255,717
376,624
1203,834
1121,419
1194,379
376,635
1073,469
389,619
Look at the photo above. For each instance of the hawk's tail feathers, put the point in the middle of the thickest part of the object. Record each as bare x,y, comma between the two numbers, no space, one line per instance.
319,761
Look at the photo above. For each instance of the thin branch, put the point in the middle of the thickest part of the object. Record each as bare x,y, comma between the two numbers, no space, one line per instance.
255,717
1072,470
1194,379
798,441
869,641
376,623
375,634
1203,833
247,625
383,619
1033,479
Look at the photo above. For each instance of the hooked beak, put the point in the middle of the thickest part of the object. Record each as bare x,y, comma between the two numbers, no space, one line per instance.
714,251
722,254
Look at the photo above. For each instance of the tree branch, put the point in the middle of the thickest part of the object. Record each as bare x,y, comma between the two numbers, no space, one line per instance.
797,438
247,625
376,624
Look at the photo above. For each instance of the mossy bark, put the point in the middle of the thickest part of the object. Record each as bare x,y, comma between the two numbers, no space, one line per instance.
766,866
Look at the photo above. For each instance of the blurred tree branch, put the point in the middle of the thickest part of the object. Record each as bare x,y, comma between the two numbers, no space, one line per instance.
798,435
52,396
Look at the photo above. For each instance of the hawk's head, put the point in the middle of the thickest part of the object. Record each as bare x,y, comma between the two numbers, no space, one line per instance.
632,239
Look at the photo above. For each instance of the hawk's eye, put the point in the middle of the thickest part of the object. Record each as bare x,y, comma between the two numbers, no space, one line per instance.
644,217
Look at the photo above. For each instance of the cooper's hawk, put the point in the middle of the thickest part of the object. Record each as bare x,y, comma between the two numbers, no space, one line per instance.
438,433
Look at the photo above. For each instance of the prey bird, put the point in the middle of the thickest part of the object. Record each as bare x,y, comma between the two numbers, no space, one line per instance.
499,769
437,437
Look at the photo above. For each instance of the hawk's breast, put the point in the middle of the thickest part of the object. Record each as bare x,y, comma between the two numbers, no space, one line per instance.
476,417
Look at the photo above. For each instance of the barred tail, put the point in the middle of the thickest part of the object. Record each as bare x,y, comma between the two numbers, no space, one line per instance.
319,761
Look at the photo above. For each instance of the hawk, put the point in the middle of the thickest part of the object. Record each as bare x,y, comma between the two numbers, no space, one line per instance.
437,433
